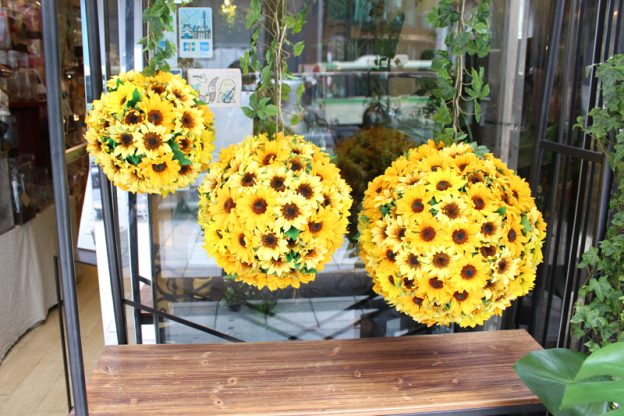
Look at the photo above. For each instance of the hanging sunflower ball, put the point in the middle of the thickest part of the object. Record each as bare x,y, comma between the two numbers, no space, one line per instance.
273,211
149,133
450,235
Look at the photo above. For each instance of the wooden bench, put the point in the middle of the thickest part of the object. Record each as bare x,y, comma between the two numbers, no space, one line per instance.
463,373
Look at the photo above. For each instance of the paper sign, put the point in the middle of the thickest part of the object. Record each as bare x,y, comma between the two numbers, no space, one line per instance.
217,87
195,32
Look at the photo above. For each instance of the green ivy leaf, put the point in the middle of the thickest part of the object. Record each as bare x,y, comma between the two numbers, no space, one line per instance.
526,225
298,48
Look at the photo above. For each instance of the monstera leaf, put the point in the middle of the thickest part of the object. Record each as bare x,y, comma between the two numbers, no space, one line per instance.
570,383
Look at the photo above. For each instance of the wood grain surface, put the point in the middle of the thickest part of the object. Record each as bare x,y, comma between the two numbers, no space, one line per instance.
372,376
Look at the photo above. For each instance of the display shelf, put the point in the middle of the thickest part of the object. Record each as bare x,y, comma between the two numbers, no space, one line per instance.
461,373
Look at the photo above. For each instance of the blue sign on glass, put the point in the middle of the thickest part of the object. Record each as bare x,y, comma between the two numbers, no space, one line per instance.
195,32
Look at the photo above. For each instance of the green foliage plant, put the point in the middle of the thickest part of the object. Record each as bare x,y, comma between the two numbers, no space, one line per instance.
459,90
363,157
599,313
158,16
272,23
570,383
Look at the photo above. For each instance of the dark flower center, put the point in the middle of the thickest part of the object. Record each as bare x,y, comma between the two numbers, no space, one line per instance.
451,210
417,301
390,256
441,260
427,234
400,233
188,121
460,297
268,158
155,117
488,251
412,260
326,200
241,240
305,191
443,185
159,167
152,141
315,227
462,166
488,228
296,165
511,235
185,169
248,179
185,144
158,88
475,178
229,205
269,240
133,118
468,272
417,206
391,279
259,206
436,283
277,183
478,202
460,236
503,266
290,211
125,139
408,283
515,194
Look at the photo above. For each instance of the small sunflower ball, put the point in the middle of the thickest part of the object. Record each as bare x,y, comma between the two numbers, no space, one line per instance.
273,211
150,134
450,235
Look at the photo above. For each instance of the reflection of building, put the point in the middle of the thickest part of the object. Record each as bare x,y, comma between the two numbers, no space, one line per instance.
196,31
354,28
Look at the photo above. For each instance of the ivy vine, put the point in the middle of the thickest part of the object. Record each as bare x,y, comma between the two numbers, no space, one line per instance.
459,91
159,18
272,23
599,313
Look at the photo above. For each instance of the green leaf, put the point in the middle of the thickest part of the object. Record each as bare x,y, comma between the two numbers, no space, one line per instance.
271,110
502,210
593,392
547,373
298,48
136,97
178,154
293,233
526,225
608,361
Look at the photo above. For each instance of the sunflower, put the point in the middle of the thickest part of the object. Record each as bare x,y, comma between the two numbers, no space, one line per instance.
240,246
472,274
157,111
444,180
272,152
464,237
409,264
292,212
414,203
481,198
465,302
160,171
126,139
269,244
223,211
116,101
256,209
451,208
181,92
190,119
320,226
278,267
427,232
152,141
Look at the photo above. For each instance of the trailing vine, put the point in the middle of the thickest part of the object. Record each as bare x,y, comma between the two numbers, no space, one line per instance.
159,18
272,23
459,91
599,314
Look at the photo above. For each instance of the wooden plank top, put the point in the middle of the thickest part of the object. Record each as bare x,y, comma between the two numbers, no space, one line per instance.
371,376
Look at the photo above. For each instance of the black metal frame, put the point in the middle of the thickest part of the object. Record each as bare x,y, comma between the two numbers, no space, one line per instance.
571,243
605,43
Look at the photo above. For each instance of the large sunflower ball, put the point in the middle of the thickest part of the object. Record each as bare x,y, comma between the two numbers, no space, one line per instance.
273,211
450,235
150,134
